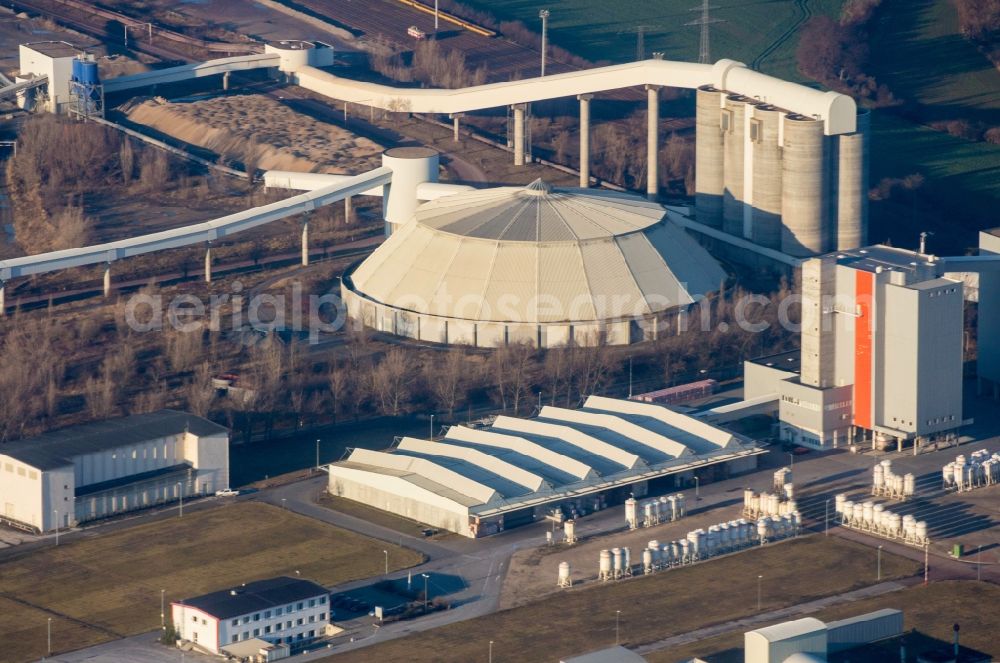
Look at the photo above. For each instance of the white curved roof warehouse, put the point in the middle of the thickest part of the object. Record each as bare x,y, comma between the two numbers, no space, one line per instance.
532,264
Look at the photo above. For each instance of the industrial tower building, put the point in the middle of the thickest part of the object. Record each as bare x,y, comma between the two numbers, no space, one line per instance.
786,181
881,353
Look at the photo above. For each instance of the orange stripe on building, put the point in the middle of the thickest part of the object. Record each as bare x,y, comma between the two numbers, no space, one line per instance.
864,291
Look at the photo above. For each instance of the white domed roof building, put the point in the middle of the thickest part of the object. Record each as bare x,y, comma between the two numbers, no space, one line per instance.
531,264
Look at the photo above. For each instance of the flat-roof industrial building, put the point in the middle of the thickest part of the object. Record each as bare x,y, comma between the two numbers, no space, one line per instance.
881,355
479,481
94,470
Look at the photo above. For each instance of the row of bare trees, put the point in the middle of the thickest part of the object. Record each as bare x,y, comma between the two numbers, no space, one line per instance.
431,64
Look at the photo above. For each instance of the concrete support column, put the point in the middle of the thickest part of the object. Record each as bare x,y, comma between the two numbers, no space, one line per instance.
305,240
225,80
519,134
208,262
652,141
585,139
107,279
454,126
347,209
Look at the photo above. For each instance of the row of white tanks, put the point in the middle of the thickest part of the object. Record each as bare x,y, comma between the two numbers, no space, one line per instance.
653,512
769,504
876,519
782,477
895,486
978,470
699,544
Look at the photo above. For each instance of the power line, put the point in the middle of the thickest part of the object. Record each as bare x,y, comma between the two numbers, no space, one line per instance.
704,21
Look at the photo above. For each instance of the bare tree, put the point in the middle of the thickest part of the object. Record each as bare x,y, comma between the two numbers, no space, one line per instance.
390,380
337,383
510,367
444,379
199,392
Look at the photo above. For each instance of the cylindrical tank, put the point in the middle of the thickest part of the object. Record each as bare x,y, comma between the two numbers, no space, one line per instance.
877,476
563,573
909,484
804,209
895,523
852,185
838,502
948,474
411,167
866,512
763,527
774,503
732,166
681,505
657,515
616,560
647,560
747,498
631,515
708,170
766,201
569,531
666,509
789,491
858,513
921,530
897,484
647,512
654,546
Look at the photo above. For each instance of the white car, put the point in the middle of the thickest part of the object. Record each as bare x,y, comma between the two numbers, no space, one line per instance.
227,492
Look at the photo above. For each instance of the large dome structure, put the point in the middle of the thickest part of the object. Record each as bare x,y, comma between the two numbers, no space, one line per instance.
531,264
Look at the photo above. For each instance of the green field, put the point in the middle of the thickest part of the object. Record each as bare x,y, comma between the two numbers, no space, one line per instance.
599,30
931,610
575,621
110,583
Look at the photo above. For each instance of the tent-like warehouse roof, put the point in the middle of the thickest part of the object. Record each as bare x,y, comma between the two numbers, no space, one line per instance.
537,254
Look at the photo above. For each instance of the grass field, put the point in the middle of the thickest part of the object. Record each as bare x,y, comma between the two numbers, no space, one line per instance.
112,581
651,608
930,610
601,30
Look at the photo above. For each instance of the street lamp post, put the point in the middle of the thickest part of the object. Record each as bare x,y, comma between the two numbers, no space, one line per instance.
386,553
979,562
879,575
544,15
630,377
432,428
697,487
317,454
283,503
56,513
491,651
759,579
791,460
436,13
618,617
163,622
425,591
48,636
826,519
180,491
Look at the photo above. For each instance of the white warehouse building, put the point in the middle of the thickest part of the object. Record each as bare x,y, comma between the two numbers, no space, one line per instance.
95,470
533,264
479,481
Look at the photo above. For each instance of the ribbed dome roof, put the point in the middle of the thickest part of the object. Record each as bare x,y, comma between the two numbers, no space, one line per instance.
538,254
538,213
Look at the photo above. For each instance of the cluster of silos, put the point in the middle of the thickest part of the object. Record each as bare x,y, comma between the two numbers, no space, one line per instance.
615,564
664,509
876,519
979,470
776,178
759,505
85,86
782,477
894,486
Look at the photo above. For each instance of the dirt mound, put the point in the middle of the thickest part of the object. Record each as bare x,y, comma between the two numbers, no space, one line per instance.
285,139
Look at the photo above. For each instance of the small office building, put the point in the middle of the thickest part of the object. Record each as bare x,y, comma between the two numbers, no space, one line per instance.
277,611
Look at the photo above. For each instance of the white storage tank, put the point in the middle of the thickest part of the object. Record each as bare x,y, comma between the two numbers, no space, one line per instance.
921,531
654,547
616,561
909,484
681,505
569,531
564,579
789,491
838,502
647,560
631,513
604,569
866,512
877,476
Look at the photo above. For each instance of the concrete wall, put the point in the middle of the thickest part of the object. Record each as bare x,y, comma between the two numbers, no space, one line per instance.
819,418
760,380
921,390
804,205
988,336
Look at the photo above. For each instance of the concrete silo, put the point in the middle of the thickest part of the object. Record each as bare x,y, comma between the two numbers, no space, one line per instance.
767,176
852,185
804,186
708,175
733,137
